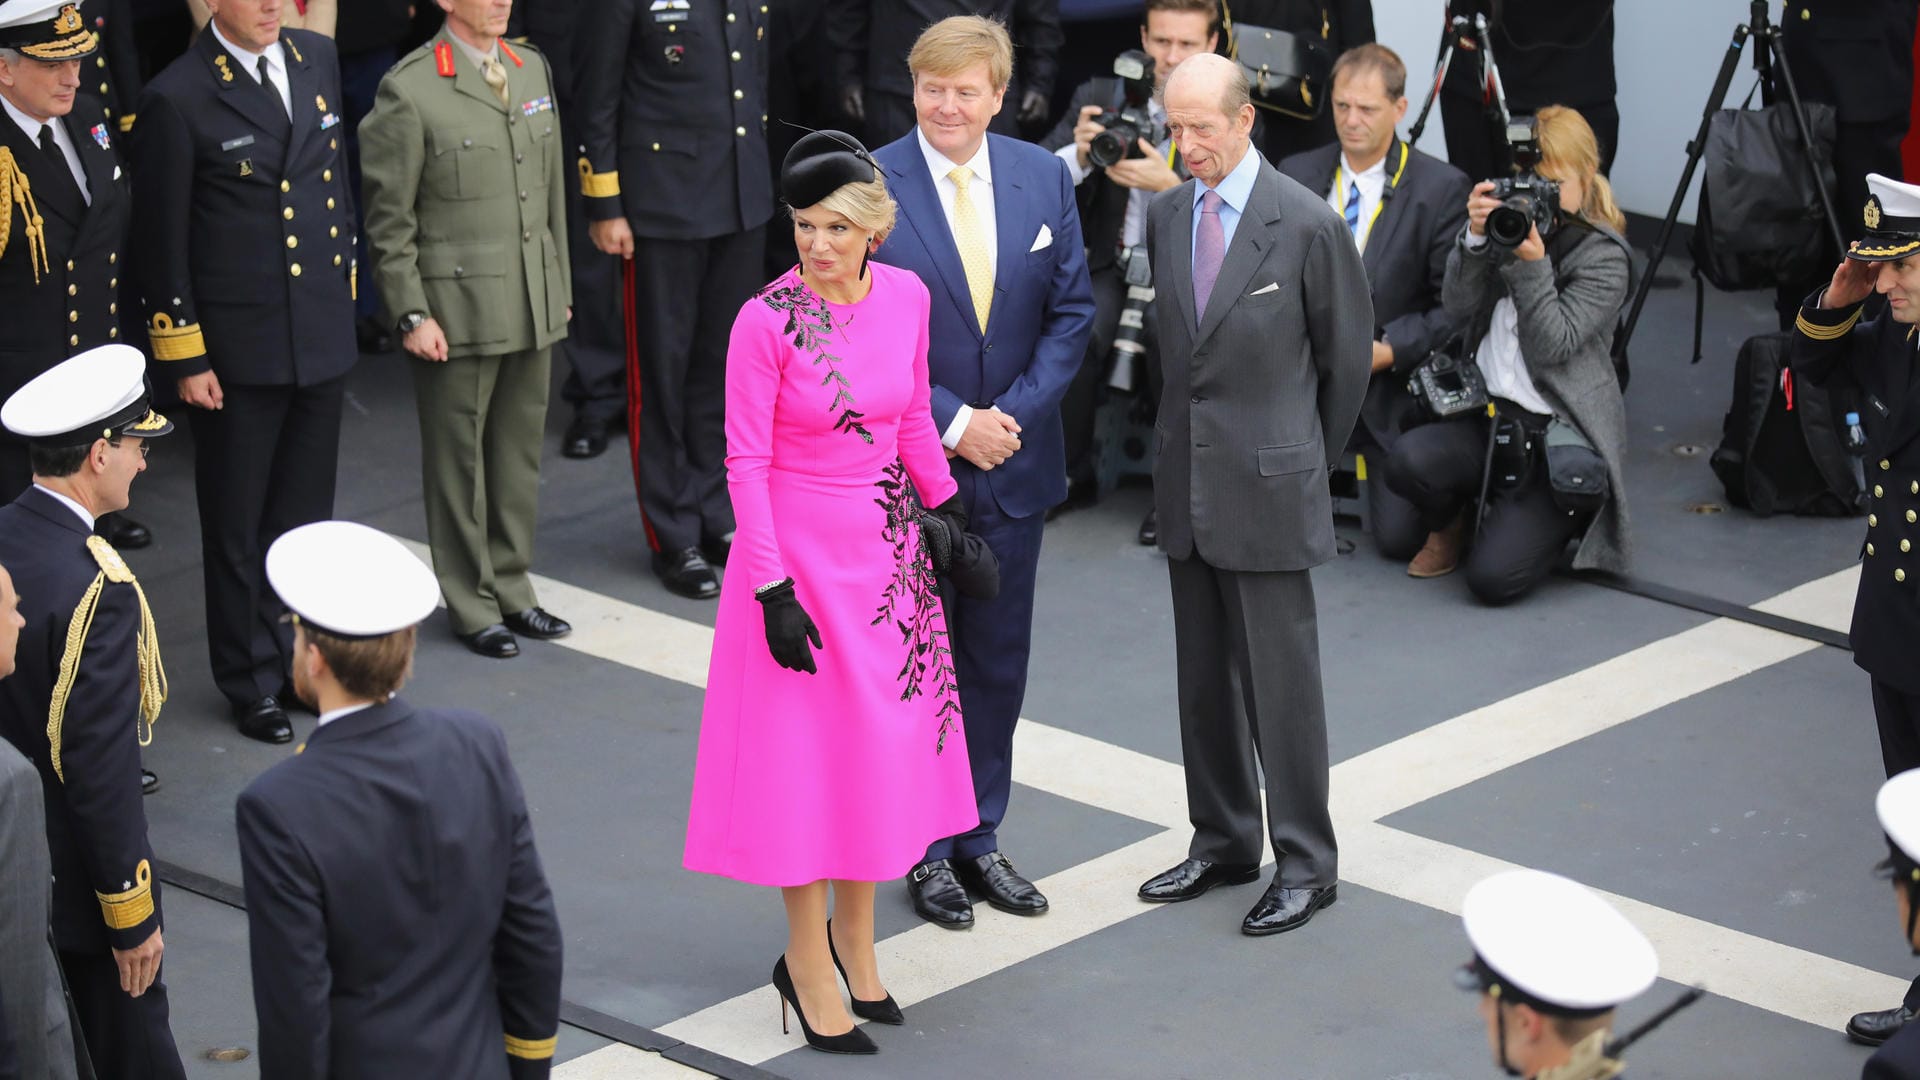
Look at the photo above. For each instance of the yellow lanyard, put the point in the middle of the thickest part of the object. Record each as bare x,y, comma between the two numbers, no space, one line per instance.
1382,204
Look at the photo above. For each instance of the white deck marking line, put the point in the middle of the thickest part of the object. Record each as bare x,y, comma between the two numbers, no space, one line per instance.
1097,894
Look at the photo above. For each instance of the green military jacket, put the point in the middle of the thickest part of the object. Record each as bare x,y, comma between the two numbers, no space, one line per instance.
465,203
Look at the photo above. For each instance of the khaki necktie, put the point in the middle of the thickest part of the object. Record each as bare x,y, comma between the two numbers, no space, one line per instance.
972,242
496,75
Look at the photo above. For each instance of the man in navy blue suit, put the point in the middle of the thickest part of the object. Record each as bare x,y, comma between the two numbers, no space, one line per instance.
990,225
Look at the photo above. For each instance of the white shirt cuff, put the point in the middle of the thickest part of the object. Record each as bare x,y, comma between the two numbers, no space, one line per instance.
1070,154
950,438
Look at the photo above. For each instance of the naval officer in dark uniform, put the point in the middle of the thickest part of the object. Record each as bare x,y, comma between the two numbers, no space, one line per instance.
673,111
1898,808
1878,356
80,705
60,171
244,260
399,920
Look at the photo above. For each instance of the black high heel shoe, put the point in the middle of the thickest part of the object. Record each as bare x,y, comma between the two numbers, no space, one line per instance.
853,1042
883,1011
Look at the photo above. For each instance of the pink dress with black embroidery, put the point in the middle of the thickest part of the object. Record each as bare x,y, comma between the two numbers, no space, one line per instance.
849,773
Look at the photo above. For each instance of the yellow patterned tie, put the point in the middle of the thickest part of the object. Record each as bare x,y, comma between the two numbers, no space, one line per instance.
495,74
973,246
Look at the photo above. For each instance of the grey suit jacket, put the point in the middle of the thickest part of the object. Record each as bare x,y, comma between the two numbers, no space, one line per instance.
1263,388
31,1010
1406,260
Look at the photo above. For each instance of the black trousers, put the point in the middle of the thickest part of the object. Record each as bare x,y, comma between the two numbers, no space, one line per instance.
1898,715
595,348
264,463
127,1037
1437,468
1398,527
686,294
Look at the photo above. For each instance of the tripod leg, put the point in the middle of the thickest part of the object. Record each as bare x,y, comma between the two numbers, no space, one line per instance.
1799,113
1440,65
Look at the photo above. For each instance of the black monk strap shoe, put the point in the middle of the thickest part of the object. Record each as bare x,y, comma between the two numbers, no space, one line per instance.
149,783
264,720
585,438
937,895
1874,1028
1281,909
993,877
687,573
1150,529
495,642
539,624
123,532
1193,878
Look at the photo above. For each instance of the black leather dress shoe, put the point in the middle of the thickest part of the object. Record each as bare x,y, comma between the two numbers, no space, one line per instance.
123,532
1150,529
149,783
494,641
716,550
264,720
1192,878
937,895
538,623
687,573
1874,1028
993,877
1281,909
585,438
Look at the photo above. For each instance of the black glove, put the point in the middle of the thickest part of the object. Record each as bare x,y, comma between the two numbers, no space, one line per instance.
958,555
789,628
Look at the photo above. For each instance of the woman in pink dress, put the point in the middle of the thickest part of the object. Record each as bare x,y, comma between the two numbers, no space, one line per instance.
831,748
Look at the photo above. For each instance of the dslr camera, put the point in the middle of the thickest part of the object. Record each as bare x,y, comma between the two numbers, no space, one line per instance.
1131,122
1527,200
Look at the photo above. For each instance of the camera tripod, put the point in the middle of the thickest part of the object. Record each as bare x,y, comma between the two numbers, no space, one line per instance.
1457,31
1769,59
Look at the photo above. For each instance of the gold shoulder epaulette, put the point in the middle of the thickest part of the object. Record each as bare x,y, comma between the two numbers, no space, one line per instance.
126,910
153,675
15,190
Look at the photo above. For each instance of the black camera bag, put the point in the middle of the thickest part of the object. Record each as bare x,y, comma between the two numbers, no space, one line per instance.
1290,73
1575,470
1782,448
1760,222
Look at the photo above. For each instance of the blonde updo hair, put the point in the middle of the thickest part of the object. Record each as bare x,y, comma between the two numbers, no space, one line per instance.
1567,142
867,205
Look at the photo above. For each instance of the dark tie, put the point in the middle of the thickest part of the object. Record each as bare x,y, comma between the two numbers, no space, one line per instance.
273,88
60,173
1353,210
1209,250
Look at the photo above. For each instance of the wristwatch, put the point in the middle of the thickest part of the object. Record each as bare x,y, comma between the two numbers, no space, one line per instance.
411,321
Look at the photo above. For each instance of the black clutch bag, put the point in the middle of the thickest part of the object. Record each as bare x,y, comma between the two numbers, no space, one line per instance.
1289,72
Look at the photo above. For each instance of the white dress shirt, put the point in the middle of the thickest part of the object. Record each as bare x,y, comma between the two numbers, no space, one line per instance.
1372,183
1501,363
1133,227
276,55
980,193
60,137
331,715
479,58
86,518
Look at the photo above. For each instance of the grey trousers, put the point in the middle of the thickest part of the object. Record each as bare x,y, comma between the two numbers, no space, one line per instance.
1248,662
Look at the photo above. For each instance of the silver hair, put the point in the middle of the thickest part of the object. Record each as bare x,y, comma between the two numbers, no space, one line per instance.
11,56
1235,93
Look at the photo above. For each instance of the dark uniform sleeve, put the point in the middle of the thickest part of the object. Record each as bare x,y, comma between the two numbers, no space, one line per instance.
1037,36
1418,333
557,189
527,946
1356,24
1823,340
393,152
162,206
98,760
601,50
287,937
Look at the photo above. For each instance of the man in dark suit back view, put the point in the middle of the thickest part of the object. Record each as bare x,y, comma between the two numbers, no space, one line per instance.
1404,209
1264,330
398,918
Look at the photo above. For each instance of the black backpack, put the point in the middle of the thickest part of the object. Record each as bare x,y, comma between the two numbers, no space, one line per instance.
1783,446
1760,222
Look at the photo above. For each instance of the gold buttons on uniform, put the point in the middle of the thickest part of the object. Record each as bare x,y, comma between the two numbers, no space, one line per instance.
72,289
73,316
113,308
1885,464
739,131
656,149
294,269
329,204
336,260
333,232
1869,549
103,88
739,94
1914,487
333,144
1805,14
101,61
1873,520
1877,492
69,265
1912,517
729,16
112,258
1906,545
1899,574
736,54
113,283
112,332
73,339
287,213
293,241
285,187
326,175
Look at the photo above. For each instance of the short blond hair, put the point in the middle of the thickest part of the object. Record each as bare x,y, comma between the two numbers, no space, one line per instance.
866,204
955,44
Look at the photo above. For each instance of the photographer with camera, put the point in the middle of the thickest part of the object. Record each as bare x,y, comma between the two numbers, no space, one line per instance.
1534,428
1404,209
1113,138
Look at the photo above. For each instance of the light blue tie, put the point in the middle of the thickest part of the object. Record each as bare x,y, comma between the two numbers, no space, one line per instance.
1353,210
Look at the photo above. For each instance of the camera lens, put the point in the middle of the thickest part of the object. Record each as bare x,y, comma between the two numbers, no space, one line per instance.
1508,224
1110,146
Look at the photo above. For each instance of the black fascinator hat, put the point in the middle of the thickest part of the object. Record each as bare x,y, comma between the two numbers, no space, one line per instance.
821,163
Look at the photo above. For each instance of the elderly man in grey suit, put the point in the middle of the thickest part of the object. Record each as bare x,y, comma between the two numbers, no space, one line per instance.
1266,331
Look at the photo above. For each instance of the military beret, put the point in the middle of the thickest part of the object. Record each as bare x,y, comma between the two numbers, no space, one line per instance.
821,163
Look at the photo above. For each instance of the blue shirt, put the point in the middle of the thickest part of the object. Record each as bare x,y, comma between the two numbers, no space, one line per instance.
1235,189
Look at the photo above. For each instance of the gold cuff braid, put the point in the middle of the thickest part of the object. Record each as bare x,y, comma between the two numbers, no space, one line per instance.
170,342
153,675
595,185
531,1049
1827,333
126,910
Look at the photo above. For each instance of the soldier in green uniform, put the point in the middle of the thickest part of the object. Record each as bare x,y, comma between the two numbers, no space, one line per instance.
466,219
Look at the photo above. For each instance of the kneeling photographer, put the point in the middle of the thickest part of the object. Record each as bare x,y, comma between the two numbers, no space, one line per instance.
1538,276
1113,138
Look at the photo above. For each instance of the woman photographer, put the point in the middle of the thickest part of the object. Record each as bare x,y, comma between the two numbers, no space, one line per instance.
1540,320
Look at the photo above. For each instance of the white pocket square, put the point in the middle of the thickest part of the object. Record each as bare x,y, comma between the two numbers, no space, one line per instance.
1271,286
1043,240
116,172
